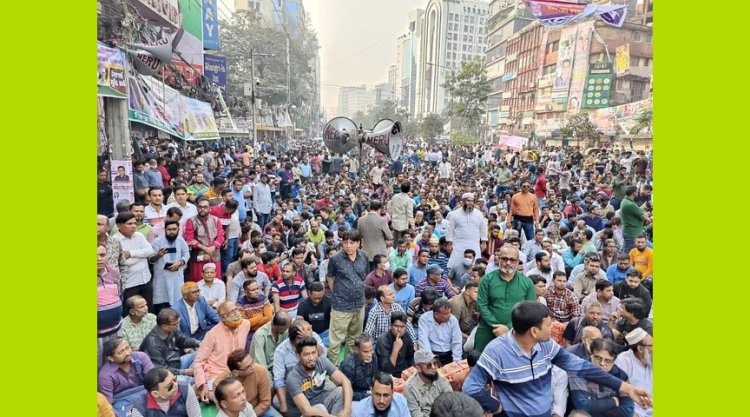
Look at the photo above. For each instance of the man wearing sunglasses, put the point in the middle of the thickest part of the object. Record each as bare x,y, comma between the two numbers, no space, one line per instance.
166,396
422,389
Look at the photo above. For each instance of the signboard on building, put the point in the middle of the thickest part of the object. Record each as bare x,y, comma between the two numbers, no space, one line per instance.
111,72
210,25
565,54
598,91
165,12
580,66
622,60
215,69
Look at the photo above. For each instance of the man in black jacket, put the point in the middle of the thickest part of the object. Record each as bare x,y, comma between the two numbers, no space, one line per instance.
169,348
395,349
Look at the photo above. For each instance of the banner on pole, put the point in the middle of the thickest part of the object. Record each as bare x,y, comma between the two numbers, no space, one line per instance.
111,72
121,173
558,13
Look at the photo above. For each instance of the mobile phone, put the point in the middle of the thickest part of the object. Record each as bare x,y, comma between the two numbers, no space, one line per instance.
168,265
171,250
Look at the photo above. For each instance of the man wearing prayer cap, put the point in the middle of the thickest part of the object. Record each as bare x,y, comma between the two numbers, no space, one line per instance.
638,363
212,289
467,229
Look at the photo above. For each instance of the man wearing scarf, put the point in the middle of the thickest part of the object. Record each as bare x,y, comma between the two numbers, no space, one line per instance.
467,227
205,236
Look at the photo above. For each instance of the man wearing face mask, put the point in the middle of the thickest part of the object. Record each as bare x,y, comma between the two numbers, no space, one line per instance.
637,362
457,274
218,343
381,275
467,227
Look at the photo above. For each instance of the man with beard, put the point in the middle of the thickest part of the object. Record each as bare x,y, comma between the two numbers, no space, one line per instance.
631,315
467,229
642,258
592,316
142,227
382,402
249,271
422,388
543,267
171,257
360,366
632,288
585,282
219,342
562,303
638,363
418,270
605,296
618,272
464,308
399,257
519,364
121,376
582,349
499,291
136,250
524,211
316,309
437,257
254,306
205,235
435,281
307,384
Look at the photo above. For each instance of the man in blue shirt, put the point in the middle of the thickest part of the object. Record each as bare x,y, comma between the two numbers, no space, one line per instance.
519,365
383,402
240,192
619,271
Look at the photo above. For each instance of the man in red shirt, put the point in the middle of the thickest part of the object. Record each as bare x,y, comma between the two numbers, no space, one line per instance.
540,187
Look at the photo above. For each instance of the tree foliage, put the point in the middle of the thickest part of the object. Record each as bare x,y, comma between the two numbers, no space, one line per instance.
580,127
244,33
644,121
431,126
468,88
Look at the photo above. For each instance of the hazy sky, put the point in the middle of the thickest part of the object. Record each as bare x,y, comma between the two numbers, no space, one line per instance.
357,39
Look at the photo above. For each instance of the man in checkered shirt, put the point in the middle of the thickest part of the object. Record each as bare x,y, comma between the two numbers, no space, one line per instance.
379,321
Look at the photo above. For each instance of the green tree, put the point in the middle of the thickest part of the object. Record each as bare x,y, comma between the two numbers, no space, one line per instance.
644,121
432,126
581,128
468,89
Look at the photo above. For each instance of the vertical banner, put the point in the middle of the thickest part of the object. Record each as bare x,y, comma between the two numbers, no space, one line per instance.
210,25
215,69
565,53
598,86
580,66
622,60
542,53
122,180
110,72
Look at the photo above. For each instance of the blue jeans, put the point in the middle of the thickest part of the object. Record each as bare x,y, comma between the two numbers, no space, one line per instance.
263,220
528,228
229,254
629,243
271,412
324,338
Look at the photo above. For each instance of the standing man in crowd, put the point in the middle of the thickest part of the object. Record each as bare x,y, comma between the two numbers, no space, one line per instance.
523,213
467,229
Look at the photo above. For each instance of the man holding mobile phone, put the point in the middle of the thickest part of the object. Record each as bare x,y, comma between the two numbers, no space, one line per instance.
171,257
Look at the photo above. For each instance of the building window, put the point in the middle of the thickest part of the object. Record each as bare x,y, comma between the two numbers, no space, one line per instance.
465,37
649,37
637,36
480,40
464,47
470,49
463,57
466,28
450,16
471,29
471,38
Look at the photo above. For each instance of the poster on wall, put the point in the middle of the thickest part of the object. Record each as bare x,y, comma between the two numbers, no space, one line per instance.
580,66
122,180
565,54
215,69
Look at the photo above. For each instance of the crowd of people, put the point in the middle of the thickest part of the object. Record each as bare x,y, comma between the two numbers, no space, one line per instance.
307,283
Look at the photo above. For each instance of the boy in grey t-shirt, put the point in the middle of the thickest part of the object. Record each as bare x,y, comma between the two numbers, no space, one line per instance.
307,383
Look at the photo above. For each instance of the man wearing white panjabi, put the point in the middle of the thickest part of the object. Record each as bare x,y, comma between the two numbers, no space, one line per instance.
467,227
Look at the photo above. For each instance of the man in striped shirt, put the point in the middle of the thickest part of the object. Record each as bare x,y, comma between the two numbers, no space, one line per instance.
289,290
435,280
519,366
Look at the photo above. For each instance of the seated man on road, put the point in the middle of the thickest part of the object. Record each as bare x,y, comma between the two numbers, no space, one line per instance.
196,316
166,395
426,385
382,402
169,348
360,366
255,307
316,310
138,322
592,316
269,337
219,342
254,379
440,333
212,289
121,377
308,387
284,358
395,349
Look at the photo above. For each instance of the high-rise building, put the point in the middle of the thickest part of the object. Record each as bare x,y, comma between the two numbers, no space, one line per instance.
384,91
452,31
407,61
278,14
355,99
506,19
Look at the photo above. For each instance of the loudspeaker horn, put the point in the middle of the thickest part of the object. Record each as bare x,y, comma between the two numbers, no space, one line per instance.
386,138
341,135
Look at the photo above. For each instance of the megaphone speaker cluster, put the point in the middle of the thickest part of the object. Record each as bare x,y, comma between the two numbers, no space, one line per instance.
341,135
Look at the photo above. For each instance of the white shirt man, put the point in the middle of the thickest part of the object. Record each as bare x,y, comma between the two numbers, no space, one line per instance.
188,210
139,249
466,228
445,170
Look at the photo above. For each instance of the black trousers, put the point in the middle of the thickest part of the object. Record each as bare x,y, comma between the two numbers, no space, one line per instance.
444,357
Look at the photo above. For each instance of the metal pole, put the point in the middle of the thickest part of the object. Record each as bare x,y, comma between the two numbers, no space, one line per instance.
252,99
